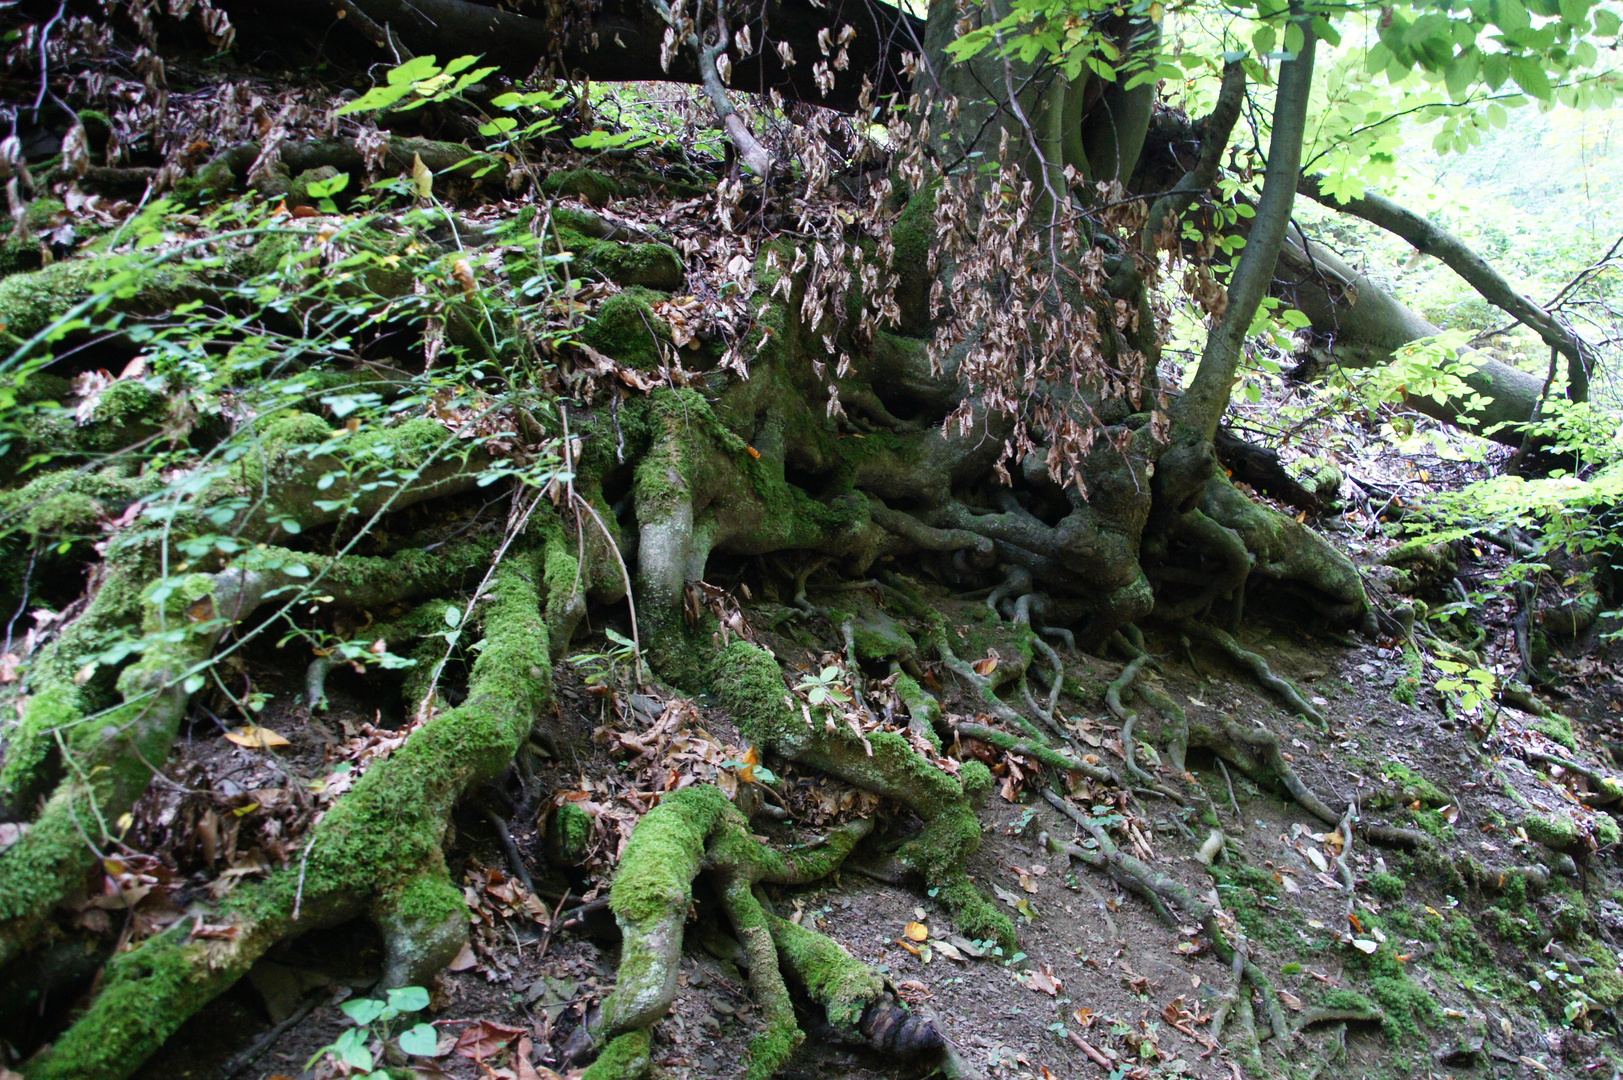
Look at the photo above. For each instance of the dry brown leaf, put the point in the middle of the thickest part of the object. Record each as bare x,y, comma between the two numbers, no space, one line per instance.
486,1039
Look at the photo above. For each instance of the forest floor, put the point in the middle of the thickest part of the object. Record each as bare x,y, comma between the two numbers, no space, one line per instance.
1470,951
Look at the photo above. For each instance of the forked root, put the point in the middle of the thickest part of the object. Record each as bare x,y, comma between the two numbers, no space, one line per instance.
696,830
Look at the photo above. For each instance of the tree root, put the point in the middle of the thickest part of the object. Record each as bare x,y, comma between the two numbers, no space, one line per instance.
697,830
110,756
751,687
1283,688
1127,868
1042,752
377,850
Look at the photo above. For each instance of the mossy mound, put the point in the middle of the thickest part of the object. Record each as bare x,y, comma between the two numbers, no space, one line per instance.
626,329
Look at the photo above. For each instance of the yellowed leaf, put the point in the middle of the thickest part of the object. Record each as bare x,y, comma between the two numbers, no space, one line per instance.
917,931
254,737
421,177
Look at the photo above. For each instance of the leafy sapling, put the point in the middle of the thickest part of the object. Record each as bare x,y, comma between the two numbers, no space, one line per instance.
359,1048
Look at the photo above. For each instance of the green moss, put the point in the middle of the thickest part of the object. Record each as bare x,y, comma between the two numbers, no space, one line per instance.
976,779
18,253
569,835
1243,890
1346,1001
626,329
913,234
974,915
1553,831
1559,728
1510,926
656,871
1602,980
1386,886
1408,684
1571,916
750,685
584,184
1606,830
1405,1005
626,1058
844,985
1412,787
430,899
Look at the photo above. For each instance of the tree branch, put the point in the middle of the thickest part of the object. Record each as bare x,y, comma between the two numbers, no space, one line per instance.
1202,405
1215,132
1458,256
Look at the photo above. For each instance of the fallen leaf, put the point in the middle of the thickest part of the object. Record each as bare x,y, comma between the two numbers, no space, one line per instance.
256,738
987,665
464,959
917,931
950,951
485,1039
1291,1001
1042,979
1365,946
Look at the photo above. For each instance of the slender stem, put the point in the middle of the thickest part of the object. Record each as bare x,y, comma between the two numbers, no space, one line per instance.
1203,403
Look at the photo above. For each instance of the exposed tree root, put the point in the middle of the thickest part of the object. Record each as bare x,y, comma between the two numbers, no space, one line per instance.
1144,879
1283,688
377,852
751,686
108,757
697,830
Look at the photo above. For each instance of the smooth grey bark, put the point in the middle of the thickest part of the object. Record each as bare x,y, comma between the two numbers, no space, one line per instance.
1430,239
1361,325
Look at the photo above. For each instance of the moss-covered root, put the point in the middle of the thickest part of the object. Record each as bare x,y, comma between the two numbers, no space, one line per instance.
625,1058
650,898
852,994
692,830
147,993
109,759
368,853
771,1048
751,687
108,767
842,984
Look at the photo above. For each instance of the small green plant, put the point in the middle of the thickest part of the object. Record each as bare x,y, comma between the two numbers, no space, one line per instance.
825,688
359,1047
604,669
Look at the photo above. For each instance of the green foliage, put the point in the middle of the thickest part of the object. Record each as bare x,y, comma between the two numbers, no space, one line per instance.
609,667
825,688
418,82
358,1049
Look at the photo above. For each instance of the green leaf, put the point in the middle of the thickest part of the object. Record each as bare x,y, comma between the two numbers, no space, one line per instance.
193,683
1530,76
462,63
379,97
1462,72
321,189
413,70
1607,23
408,999
419,1041
453,616
363,1011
